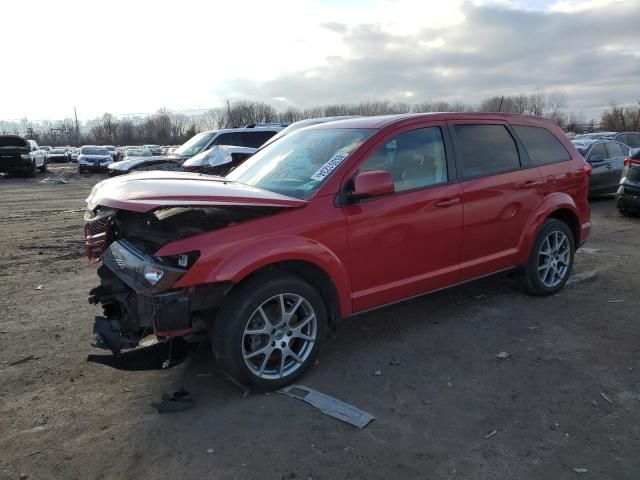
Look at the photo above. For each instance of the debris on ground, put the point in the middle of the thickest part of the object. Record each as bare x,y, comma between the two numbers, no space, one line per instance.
604,395
22,360
177,402
427,402
580,470
588,251
615,301
329,405
211,450
395,363
582,277
491,434
377,373
55,181
449,384
39,287
502,355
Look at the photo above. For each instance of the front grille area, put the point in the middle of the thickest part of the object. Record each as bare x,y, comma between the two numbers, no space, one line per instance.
98,236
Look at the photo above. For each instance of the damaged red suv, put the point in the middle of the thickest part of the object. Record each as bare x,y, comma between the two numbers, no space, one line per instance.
330,221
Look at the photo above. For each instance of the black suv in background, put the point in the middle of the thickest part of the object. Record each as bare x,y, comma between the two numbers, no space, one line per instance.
19,155
628,194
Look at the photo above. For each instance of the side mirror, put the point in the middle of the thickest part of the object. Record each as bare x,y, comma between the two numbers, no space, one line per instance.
372,184
596,159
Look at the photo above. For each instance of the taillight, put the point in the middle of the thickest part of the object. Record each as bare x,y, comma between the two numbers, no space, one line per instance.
631,161
586,168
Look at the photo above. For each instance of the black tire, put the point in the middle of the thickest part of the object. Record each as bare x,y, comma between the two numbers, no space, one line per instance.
239,309
530,277
44,168
32,169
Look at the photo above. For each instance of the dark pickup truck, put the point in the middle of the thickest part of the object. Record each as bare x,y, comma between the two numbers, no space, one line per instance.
19,155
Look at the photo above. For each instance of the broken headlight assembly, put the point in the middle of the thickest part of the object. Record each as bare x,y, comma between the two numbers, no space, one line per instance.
146,274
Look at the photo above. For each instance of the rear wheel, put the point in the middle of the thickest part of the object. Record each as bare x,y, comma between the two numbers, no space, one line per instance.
551,259
44,168
269,331
32,169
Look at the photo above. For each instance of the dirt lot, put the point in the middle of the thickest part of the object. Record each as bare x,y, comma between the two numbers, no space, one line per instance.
568,396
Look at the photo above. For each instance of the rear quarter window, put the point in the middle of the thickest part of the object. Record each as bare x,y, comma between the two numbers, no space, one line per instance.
542,145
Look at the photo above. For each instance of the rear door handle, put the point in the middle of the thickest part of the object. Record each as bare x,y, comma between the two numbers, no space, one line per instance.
531,184
448,202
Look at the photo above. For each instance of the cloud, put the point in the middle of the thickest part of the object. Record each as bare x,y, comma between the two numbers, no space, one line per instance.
591,53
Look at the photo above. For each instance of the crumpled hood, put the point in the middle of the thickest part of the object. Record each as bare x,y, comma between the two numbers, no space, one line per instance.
130,162
144,191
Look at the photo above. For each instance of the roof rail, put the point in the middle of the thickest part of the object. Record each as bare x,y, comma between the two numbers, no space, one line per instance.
273,124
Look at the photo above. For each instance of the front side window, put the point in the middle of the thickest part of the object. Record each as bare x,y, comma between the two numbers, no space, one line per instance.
231,138
542,146
415,159
194,145
298,164
598,151
486,150
633,140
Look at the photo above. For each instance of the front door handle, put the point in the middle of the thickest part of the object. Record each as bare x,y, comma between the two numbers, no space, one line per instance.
531,184
448,202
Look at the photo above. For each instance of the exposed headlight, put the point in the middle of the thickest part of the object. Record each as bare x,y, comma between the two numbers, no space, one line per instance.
25,156
152,274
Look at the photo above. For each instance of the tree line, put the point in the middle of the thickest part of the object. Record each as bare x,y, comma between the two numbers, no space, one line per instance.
165,127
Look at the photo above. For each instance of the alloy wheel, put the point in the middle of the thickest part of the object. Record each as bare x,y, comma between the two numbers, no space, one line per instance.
554,258
279,336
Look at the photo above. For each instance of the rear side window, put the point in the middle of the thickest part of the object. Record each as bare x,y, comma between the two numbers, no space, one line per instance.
542,145
598,151
633,140
486,149
614,149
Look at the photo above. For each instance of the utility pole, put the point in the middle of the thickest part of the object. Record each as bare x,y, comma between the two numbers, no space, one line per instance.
75,114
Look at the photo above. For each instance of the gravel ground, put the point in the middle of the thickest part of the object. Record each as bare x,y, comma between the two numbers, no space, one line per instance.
565,399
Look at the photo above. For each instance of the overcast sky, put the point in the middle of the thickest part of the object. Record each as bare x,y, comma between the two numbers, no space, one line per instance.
133,56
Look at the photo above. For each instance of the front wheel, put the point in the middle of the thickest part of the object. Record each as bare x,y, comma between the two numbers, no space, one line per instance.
269,331
551,259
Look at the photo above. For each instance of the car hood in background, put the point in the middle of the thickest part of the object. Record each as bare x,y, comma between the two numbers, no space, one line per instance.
144,191
131,162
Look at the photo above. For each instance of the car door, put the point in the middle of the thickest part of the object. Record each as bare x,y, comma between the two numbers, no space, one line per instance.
597,158
408,242
616,153
501,189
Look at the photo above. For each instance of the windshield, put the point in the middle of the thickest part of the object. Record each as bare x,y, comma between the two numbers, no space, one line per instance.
94,151
195,145
300,162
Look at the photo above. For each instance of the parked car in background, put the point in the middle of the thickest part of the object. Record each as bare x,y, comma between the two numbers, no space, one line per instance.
631,139
628,194
306,123
252,137
46,148
73,154
22,156
329,221
218,160
140,159
93,159
58,154
113,151
607,161
156,150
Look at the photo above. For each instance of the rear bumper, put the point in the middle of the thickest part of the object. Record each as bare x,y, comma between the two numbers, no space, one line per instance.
627,201
17,165
57,158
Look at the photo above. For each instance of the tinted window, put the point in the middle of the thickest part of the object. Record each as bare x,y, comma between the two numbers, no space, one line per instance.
633,140
598,150
622,138
614,149
542,146
232,138
415,159
257,138
486,149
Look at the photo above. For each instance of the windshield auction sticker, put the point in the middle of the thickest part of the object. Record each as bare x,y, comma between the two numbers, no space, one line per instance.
329,167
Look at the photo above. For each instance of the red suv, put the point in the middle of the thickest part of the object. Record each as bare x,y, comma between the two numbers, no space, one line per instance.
330,221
